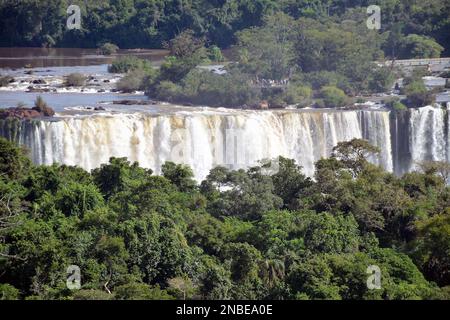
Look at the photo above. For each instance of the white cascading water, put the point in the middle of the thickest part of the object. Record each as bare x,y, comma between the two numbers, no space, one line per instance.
203,140
428,139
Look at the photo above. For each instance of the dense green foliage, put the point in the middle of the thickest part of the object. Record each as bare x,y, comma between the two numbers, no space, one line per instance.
148,23
238,235
286,56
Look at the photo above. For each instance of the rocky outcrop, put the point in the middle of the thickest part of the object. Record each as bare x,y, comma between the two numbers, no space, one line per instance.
135,102
45,111
26,113
39,90
39,81
263,105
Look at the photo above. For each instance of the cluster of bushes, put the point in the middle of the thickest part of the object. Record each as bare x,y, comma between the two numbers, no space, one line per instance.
135,235
206,88
108,49
139,73
332,97
129,63
417,95
396,105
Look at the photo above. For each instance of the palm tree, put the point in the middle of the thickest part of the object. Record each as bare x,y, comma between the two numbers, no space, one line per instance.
272,271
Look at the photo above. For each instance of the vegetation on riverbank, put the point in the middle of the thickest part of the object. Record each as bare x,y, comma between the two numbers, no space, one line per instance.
135,235
409,28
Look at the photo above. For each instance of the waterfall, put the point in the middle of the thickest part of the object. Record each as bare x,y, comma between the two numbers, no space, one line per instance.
202,140
428,135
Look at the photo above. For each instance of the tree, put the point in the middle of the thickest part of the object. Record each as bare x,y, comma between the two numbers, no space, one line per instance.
249,195
289,181
244,260
269,48
182,285
325,233
418,95
333,97
111,251
314,279
354,154
215,54
272,272
433,248
421,47
13,161
185,45
180,175
8,292
381,80
119,175
440,168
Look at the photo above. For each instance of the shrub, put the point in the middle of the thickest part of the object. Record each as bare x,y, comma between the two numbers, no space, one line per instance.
174,69
418,47
381,80
129,63
333,97
277,101
136,80
8,292
297,93
108,49
41,106
75,80
167,90
321,79
215,54
418,95
396,105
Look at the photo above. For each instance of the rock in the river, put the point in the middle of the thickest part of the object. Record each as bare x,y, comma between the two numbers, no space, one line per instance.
39,81
99,109
134,102
33,89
